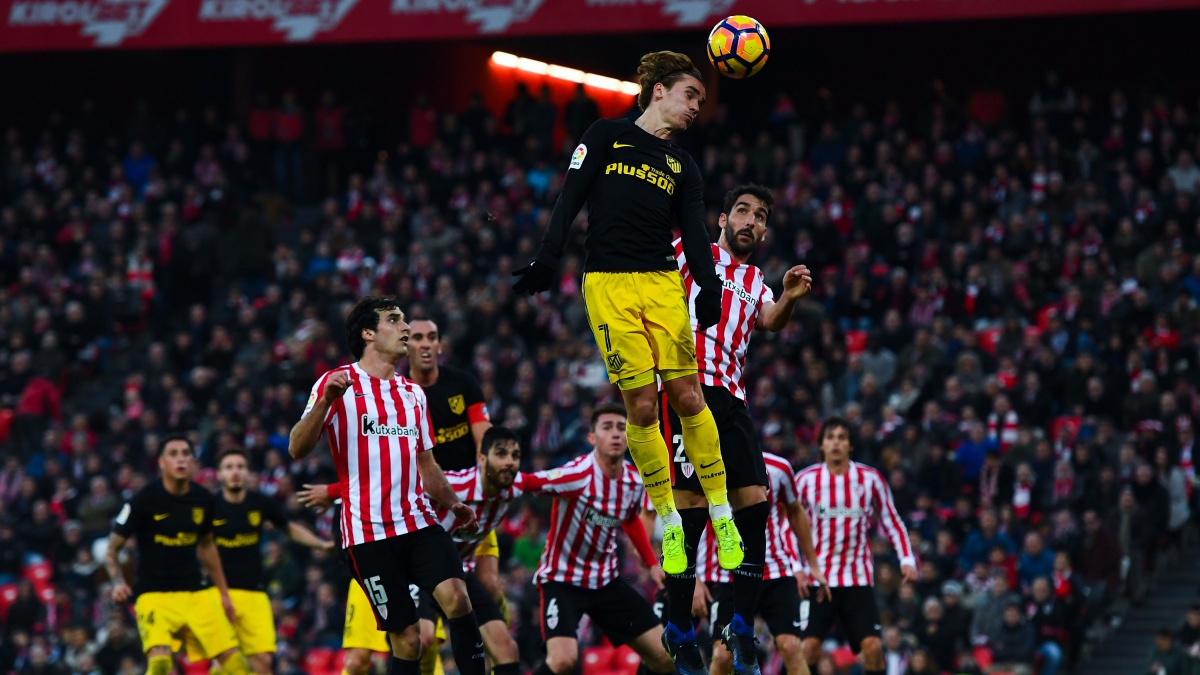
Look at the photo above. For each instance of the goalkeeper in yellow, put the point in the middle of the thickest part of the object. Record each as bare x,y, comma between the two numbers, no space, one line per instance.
639,186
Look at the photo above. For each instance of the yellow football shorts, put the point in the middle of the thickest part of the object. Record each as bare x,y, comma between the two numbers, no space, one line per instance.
255,624
195,615
641,323
361,631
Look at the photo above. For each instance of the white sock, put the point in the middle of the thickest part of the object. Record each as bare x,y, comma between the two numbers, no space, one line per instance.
671,519
722,511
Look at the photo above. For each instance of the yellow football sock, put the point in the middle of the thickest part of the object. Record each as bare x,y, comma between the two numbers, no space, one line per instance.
235,664
502,601
159,665
651,456
431,661
702,445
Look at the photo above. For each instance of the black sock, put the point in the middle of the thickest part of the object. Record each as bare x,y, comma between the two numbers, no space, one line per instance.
747,578
513,668
401,666
467,645
543,669
876,672
681,587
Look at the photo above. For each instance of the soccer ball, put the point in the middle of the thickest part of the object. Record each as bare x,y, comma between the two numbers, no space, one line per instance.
738,46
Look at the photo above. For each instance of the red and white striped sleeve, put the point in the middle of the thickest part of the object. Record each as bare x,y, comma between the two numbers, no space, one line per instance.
566,481
889,518
318,390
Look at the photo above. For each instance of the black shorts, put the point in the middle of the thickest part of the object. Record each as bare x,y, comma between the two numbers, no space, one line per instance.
426,607
740,450
852,607
779,605
386,567
617,610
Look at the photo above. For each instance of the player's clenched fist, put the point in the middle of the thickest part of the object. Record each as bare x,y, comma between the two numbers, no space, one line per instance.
335,386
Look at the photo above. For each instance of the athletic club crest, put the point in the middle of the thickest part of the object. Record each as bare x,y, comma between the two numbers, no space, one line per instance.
687,469
197,515
457,405
674,164
255,518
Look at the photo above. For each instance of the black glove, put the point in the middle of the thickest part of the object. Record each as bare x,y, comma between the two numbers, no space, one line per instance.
533,278
708,308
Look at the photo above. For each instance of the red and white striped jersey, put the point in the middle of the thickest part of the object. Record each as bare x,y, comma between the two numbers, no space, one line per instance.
721,350
376,429
1004,432
842,510
783,558
489,511
587,515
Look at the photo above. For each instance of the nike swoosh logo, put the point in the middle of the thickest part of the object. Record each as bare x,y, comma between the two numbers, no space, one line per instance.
358,394
647,475
621,145
478,645
161,516
705,466
218,523
795,624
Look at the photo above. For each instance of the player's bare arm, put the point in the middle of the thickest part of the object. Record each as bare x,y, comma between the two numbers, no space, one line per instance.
434,480
307,431
306,537
797,282
798,518
206,550
120,588
316,497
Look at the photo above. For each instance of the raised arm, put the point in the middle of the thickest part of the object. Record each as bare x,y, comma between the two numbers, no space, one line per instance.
307,431
697,248
774,315
585,165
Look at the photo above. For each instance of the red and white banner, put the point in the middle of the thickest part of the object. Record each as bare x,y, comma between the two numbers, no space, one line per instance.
41,25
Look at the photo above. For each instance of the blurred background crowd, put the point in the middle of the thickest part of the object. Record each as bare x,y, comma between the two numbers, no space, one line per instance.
1004,306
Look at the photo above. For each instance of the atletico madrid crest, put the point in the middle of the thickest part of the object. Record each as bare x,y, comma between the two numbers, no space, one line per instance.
615,362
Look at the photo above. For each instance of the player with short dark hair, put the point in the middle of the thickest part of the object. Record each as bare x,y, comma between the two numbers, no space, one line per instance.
748,304
380,438
639,186
844,499
238,518
172,521
594,496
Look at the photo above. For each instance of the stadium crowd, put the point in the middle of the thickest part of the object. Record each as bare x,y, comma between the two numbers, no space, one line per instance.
1005,307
